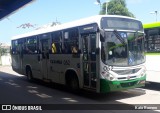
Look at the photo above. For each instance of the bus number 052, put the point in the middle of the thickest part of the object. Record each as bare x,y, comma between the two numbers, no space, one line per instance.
66,62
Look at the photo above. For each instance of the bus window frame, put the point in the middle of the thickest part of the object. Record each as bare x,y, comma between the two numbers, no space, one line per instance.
29,51
54,42
14,47
72,40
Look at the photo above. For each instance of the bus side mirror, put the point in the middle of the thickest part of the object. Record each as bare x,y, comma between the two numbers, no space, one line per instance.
102,39
102,35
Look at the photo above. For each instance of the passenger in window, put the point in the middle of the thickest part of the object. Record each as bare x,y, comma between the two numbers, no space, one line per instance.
74,49
54,50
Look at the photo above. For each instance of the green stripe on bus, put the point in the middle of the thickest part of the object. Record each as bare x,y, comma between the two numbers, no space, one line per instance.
152,53
151,25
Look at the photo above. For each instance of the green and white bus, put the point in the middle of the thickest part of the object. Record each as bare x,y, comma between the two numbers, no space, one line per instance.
102,53
152,36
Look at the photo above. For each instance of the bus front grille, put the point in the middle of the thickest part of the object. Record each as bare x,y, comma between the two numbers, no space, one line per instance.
129,84
125,78
126,72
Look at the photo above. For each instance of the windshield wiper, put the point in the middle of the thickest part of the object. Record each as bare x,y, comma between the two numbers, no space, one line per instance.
119,37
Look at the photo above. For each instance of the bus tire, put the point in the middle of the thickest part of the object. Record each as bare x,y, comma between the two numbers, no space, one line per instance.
29,74
74,84
72,81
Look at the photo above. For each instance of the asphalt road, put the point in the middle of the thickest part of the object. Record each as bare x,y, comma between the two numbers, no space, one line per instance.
15,89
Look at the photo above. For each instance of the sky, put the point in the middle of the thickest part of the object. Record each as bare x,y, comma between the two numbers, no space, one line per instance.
41,12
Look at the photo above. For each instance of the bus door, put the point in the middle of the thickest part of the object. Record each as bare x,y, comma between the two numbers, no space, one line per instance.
20,56
45,57
20,48
89,60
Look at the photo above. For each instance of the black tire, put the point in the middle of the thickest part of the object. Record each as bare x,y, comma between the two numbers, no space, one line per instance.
29,75
74,84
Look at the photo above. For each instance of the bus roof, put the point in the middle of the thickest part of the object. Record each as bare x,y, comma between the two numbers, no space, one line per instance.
151,25
85,21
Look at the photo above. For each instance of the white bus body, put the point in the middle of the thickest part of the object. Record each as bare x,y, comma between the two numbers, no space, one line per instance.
101,53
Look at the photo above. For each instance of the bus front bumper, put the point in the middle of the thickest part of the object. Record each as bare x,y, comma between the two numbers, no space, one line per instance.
110,86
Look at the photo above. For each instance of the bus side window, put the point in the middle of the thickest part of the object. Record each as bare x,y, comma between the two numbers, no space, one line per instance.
15,47
71,41
31,46
56,42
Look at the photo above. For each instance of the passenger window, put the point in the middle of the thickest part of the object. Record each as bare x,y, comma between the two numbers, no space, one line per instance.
56,42
15,47
71,41
31,46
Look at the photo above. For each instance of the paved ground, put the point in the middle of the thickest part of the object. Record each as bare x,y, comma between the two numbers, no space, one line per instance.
8,69
16,89
153,68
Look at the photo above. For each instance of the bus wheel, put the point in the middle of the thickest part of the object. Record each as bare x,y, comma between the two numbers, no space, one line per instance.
29,75
74,85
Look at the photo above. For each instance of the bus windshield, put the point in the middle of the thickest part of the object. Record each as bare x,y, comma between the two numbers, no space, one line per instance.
123,48
121,23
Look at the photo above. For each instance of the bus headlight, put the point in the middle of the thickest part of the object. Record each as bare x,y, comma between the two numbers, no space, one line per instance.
108,76
142,73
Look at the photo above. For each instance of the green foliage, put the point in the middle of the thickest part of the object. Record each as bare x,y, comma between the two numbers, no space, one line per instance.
3,51
116,7
103,9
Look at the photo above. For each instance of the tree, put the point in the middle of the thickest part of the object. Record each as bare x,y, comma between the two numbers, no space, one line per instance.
103,9
116,7
3,51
